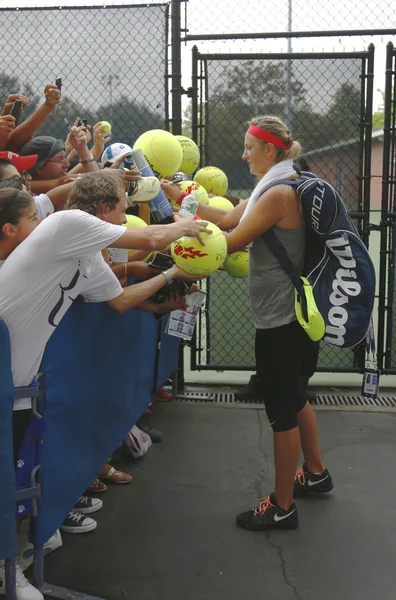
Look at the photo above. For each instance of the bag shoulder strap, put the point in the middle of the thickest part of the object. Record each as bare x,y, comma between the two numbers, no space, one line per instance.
279,251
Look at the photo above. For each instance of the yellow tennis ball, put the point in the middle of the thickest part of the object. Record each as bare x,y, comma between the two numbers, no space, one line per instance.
237,264
136,222
196,259
162,151
220,202
191,155
190,186
106,126
213,179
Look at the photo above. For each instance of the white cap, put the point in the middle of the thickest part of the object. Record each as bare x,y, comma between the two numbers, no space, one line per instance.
112,151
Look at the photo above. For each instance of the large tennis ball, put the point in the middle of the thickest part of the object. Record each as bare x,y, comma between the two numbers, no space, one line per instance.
237,264
189,186
213,179
136,222
220,202
190,154
196,259
162,151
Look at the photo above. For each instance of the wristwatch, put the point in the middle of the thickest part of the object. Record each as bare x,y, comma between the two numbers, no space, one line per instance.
168,278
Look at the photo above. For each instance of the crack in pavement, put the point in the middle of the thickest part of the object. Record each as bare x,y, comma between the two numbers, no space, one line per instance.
257,487
283,566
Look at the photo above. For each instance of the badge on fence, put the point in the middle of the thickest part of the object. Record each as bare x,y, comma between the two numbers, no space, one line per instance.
370,383
371,375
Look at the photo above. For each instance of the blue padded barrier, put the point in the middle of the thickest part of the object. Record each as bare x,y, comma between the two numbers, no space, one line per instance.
99,374
8,534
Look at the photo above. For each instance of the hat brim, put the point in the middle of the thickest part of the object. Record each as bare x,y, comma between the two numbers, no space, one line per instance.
24,163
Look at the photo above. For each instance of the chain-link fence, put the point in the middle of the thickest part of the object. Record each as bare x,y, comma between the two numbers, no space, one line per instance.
232,18
387,295
327,101
116,64
113,63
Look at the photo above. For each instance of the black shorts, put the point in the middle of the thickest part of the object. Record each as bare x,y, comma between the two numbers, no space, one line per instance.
20,422
279,366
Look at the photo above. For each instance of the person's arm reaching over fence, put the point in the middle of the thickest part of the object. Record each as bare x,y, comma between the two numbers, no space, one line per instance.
7,124
225,219
78,140
26,130
133,295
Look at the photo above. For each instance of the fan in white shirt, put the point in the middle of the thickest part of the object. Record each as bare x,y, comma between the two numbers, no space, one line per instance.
61,259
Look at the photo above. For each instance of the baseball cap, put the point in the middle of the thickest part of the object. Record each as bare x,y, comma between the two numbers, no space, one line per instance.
110,154
21,163
44,146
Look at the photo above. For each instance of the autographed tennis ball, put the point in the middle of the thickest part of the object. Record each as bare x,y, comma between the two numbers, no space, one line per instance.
106,126
190,255
220,202
162,151
237,264
190,154
190,186
213,179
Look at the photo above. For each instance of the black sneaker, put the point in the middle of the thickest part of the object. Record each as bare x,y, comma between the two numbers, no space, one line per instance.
268,515
253,391
75,522
86,505
309,483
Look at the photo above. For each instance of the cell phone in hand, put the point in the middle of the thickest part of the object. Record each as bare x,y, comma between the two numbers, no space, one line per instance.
16,110
82,123
58,83
161,261
179,286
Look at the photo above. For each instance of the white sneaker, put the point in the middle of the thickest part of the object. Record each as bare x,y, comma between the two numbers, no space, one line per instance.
75,522
25,558
24,589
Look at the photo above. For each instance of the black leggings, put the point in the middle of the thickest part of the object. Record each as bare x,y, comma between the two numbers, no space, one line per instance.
279,367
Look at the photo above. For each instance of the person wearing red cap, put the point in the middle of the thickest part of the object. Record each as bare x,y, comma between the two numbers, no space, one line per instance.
14,174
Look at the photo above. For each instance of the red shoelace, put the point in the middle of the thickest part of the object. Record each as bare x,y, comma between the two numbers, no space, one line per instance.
264,505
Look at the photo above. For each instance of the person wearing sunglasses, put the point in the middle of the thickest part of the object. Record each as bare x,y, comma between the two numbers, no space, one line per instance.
52,168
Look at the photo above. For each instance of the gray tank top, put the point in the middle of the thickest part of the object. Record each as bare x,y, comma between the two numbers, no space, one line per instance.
270,288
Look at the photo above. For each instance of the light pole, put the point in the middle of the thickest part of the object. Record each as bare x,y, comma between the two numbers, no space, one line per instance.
109,81
289,70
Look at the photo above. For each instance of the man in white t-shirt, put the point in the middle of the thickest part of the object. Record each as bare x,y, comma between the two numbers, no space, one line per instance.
62,259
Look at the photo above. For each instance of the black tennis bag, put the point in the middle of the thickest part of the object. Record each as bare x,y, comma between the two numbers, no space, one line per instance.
337,263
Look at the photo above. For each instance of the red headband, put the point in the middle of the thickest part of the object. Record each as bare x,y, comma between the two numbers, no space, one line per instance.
266,136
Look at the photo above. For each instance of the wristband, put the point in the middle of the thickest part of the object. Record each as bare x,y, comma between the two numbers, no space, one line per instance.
168,278
83,161
183,195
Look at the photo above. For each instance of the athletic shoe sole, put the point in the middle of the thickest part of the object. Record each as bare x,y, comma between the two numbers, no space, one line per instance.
292,525
316,491
79,529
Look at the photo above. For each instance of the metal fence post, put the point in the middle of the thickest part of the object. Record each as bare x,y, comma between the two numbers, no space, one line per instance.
177,89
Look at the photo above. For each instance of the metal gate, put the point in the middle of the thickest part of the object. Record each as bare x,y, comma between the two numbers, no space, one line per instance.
387,300
326,100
